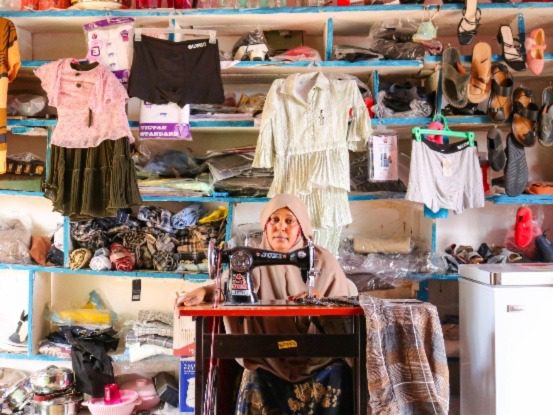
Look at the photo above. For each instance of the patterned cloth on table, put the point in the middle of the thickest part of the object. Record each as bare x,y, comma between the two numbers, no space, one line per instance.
407,370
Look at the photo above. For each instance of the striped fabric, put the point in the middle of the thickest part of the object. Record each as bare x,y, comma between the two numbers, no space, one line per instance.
407,370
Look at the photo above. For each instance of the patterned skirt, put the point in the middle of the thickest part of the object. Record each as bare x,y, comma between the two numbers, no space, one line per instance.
92,182
327,392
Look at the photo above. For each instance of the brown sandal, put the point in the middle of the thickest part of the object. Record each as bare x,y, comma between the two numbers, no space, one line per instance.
480,73
500,104
525,117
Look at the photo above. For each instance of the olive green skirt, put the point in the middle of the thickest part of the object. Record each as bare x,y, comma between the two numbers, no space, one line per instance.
92,182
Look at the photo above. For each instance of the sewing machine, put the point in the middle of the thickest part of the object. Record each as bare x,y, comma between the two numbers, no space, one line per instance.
242,260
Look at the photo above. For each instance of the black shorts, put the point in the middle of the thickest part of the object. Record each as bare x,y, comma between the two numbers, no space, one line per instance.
187,72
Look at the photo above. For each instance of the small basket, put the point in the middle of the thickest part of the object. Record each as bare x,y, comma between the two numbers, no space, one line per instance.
129,399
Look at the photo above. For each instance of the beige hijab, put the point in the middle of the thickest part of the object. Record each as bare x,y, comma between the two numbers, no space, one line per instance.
282,281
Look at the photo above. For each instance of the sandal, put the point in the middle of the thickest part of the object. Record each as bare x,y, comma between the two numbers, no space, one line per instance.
510,48
535,46
480,87
496,151
500,104
545,136
545,248
454,78
468,25
525,117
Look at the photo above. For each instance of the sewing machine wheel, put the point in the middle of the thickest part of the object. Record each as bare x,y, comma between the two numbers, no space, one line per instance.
241,261
212,252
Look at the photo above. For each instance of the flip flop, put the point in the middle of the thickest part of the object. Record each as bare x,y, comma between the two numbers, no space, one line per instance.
480,86
516,169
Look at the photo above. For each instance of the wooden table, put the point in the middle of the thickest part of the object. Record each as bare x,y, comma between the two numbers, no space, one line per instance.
230,346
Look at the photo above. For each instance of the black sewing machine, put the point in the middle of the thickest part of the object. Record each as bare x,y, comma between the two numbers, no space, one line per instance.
241,260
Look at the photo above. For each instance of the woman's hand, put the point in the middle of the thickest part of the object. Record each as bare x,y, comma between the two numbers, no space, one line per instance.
192,298
301,295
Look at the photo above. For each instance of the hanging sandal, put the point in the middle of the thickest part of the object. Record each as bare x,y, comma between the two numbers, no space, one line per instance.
510,48
535,46
496,151
525,117
455,78
469,23
500,104
480,87
545,136
516,168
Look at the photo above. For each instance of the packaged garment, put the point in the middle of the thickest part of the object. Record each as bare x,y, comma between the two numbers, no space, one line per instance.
109,42
164,121
383,156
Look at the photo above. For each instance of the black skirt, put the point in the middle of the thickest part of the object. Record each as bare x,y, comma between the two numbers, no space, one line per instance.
92,182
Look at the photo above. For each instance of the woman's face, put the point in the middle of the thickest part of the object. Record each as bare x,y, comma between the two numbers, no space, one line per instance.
282,229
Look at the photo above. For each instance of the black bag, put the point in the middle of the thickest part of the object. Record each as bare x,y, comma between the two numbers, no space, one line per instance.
91,364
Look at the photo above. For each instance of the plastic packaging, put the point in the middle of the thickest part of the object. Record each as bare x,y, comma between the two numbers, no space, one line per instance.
527,227
383,155
251,47
393,40
15,238
300,53
28,105
93,313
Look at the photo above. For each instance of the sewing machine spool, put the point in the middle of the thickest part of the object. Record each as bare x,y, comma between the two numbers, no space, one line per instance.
242,260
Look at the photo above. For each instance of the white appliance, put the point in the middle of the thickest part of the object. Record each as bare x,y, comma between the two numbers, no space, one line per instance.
506,334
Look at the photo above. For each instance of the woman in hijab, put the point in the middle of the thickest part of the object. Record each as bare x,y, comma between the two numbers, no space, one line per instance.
289,385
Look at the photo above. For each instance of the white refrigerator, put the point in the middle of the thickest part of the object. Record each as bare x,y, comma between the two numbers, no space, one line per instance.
506,334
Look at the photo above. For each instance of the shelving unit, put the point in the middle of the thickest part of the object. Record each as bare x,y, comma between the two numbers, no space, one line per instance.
324,27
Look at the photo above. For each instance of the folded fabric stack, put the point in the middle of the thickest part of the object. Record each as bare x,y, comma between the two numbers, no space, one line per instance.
57,343
154,239
151,335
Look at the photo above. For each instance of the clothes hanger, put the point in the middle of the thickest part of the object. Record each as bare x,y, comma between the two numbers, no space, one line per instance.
419,132
176,29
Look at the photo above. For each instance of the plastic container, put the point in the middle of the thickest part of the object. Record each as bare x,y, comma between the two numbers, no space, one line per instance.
129,400
146,391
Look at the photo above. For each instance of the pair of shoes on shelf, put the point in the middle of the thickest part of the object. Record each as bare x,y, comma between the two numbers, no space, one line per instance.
464,254
545,248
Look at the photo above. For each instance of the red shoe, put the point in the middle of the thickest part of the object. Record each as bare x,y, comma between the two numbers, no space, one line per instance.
523,227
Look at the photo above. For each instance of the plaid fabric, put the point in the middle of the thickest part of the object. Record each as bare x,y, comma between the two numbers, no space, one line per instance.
407,369
160,330
132,338
151,316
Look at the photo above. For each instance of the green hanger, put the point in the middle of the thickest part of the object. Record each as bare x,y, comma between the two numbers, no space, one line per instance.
419,132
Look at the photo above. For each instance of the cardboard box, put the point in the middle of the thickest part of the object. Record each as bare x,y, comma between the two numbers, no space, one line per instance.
184,336
187,382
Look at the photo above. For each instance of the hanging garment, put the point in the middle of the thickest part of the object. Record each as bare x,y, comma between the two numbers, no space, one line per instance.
445,176
10,62
186,72
92,173
309,123
90,102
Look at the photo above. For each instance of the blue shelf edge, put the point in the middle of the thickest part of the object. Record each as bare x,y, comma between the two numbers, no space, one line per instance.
433,277
257,11
91,272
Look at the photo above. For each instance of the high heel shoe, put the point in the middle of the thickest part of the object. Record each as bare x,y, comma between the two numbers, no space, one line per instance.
468,25
510,48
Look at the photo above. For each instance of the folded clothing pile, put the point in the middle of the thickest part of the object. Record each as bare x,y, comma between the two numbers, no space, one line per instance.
154,239
151,335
